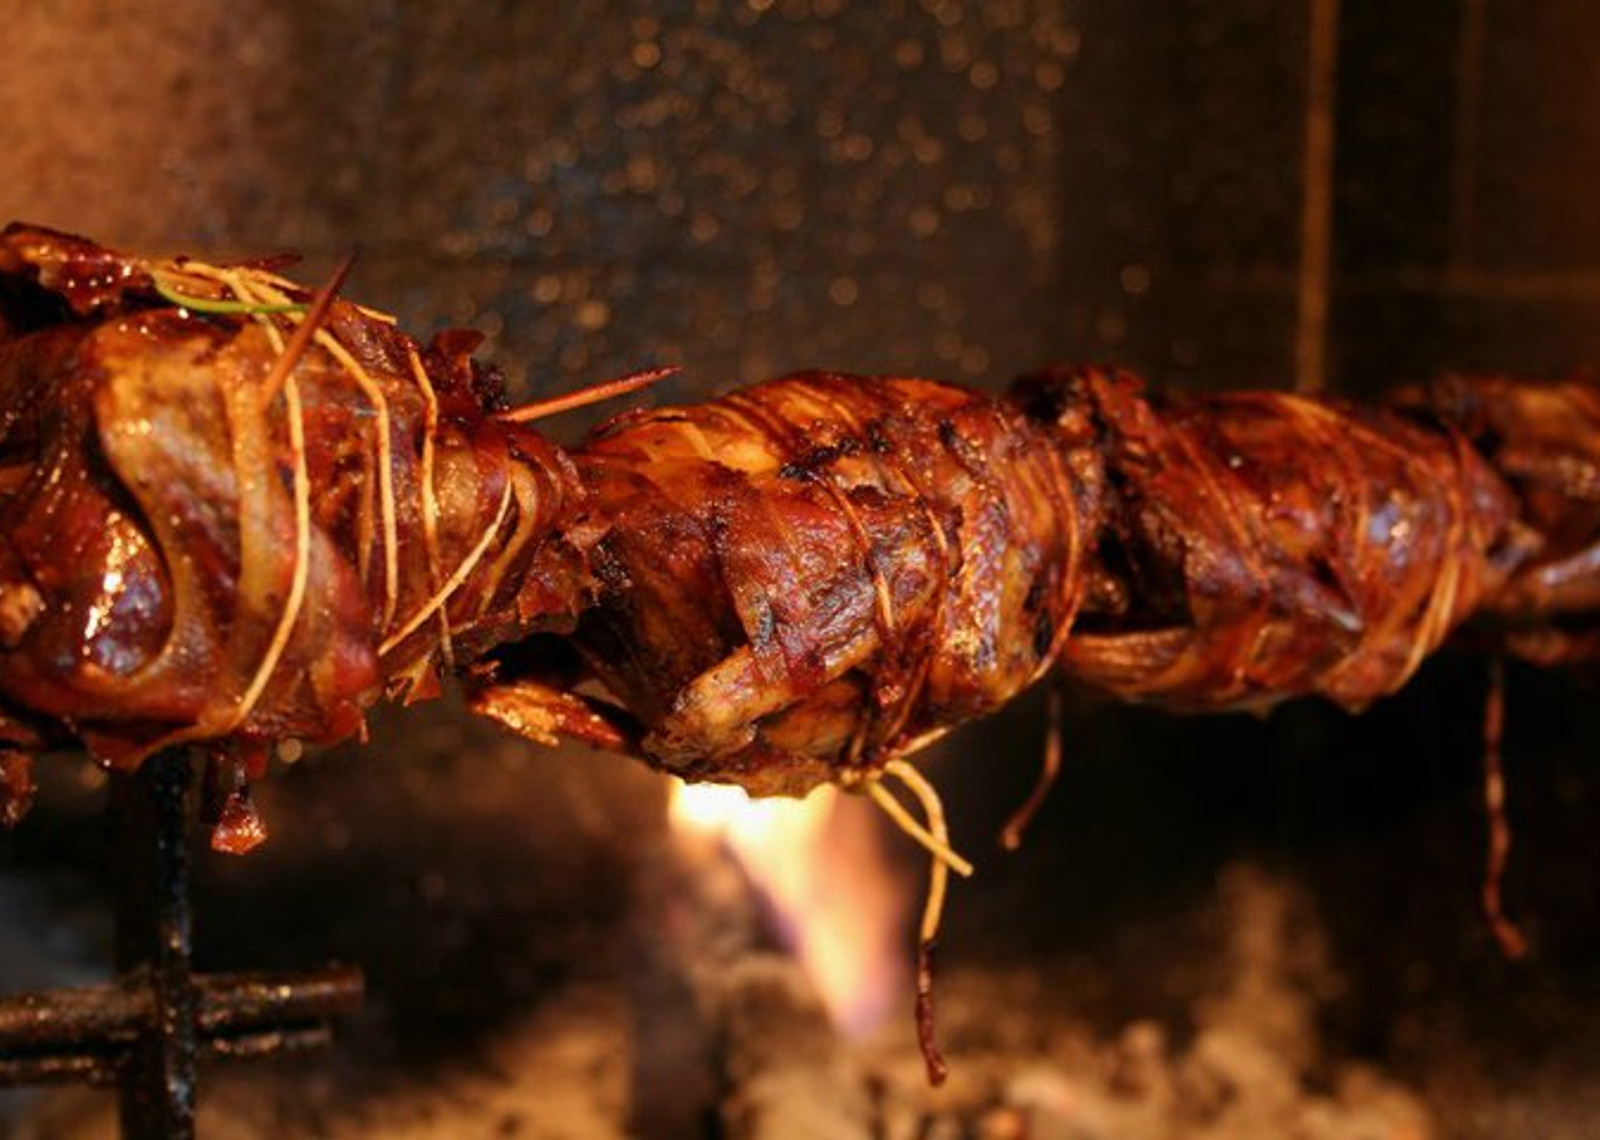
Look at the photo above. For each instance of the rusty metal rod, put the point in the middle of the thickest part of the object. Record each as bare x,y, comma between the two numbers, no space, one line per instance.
77,1068
49,1019
93,1067
150,878
229,1005
233,1002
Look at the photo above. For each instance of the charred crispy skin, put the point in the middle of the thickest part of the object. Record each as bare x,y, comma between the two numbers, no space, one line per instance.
203,540
819,572
1261,546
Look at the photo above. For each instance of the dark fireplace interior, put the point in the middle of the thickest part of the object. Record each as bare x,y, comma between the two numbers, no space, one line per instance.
1219,926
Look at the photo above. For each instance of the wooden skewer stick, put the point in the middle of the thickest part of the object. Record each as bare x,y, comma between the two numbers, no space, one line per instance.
583,397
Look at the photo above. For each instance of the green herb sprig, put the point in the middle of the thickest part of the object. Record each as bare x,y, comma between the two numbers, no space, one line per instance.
217,304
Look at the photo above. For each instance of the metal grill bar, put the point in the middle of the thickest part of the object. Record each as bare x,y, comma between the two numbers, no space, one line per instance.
149,1030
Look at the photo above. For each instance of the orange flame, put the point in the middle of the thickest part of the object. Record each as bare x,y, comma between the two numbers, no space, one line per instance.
819,865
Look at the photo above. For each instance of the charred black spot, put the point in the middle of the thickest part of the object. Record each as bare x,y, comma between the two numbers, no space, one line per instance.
966,452
816,458
1036,594
1324,574
868,497
1044,632
608,569
489,386
26,305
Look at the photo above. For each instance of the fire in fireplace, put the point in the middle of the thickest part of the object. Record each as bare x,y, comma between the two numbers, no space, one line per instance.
835,897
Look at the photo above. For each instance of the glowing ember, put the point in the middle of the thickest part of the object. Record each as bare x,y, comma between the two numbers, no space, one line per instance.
836,899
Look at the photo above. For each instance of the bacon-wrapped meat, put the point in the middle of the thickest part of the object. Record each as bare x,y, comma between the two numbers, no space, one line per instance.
812,575
815,574
226,517
233,513
1260,546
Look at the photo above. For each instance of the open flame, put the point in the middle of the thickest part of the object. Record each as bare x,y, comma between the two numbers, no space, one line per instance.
820,866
